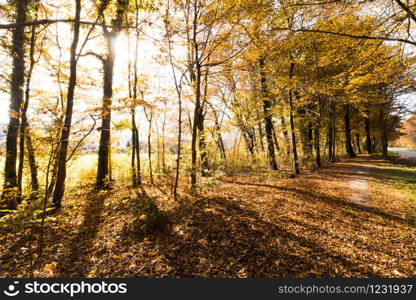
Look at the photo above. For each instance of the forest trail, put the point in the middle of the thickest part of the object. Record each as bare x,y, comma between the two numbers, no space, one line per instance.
356,172
360,184
256,224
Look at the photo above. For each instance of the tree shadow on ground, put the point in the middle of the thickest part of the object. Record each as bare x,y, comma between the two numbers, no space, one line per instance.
395,175
313,196
215,237
75,261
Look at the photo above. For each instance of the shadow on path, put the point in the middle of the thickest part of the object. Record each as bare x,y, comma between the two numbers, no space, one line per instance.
75,261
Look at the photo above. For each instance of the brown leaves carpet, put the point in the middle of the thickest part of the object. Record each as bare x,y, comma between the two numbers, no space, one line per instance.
251,225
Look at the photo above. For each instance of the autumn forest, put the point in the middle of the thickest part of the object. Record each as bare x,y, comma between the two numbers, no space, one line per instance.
215,138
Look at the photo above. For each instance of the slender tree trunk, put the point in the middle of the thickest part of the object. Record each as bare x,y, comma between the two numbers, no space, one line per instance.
293,136
221,146
317,147
195,129
132,116
369,144
261,137
330,136
331,133
32,162
54,172
334,145
201,128
357,141
157,147
103,169
178,158
104,151
275,140
149,143
317,133
374,143
178,88
292,126
383,132
348,144
304,135
202,146
197,76
309,141
24,128
164,141
220,141
285,135
61,163
133,151
135,132
268,123
138,160
16,99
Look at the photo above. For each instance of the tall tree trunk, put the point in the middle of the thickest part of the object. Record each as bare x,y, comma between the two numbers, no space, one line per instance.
32,162
306,136
138,160
178,88
285,135
317,133
16,99
61,163
357,141
330,136
202,146
105,137
268,123
369,144
195,126
275,140
149,142
104,159
295,161
132,114
348,142
196,76
54,165
383,132
220,141
135,129
203,151
317,147
178,158
24,124
164,141
334,145
158,156
331,133
133,151
248,141
310,139
261,136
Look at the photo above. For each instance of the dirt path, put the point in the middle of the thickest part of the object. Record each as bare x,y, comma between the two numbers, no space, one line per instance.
359,186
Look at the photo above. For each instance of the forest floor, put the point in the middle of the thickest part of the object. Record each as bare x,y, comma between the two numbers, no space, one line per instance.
259,224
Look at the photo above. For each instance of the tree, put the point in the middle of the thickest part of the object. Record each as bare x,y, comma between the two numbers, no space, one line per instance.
16,99
64,141
110,35
24,127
